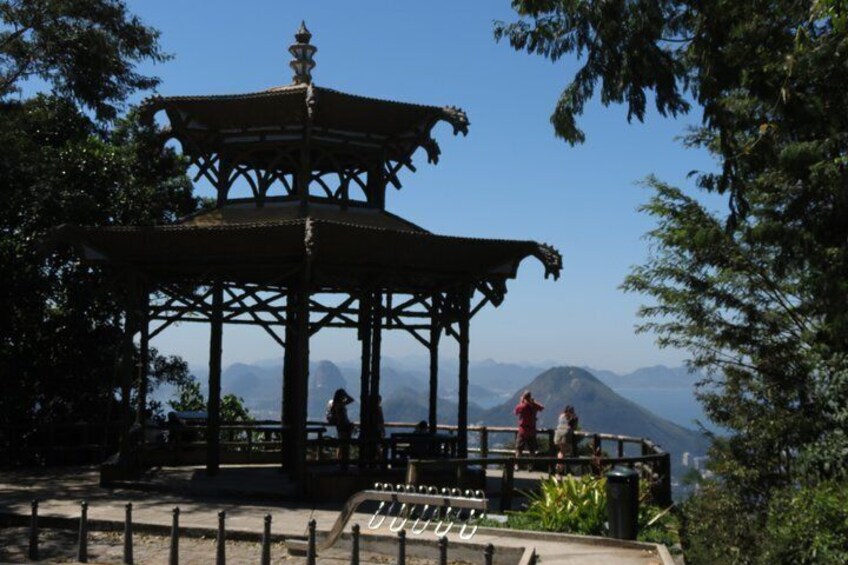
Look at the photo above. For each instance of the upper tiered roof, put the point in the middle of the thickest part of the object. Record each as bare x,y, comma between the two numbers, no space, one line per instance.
317,162
335,143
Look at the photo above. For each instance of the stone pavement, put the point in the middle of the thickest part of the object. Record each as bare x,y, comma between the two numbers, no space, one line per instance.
60,490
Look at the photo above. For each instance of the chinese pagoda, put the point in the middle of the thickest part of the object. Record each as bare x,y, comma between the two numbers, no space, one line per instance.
312,246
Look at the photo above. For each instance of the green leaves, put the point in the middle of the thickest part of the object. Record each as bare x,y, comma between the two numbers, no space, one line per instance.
757,295
86,50
627,48
571,504
62,322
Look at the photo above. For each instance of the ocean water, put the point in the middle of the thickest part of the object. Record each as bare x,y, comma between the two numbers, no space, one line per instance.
677,405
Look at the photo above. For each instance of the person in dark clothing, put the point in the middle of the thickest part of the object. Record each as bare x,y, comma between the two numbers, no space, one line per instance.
526,411
380,426
337,416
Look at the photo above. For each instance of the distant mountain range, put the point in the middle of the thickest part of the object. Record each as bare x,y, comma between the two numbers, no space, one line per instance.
640,403
599,408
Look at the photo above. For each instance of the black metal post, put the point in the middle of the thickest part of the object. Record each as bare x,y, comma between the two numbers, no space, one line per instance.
401,548
443,550
128,535
354,545
33,531
221,551
174,557
82,548
310,547
266,542
489,554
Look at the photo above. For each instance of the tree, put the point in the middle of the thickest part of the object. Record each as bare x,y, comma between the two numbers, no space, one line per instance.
190,398
85,50
68,158
758,295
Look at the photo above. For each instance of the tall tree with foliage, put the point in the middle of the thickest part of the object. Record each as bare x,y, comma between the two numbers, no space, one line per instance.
758,294
68,158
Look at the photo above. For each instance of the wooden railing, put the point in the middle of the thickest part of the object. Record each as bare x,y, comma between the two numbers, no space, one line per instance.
260,441
655,467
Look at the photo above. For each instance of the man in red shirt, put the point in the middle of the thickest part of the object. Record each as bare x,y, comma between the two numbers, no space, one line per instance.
526,412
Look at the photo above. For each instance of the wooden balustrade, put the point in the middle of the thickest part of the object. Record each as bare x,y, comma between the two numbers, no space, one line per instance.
261,442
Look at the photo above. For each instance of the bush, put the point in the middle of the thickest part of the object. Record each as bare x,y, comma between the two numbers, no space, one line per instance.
578,505
571,504
808,525
719,527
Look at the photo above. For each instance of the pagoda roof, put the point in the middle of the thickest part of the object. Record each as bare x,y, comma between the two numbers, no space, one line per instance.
347,249
273,116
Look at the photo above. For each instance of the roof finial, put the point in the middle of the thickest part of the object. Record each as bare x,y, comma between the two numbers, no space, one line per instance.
302,51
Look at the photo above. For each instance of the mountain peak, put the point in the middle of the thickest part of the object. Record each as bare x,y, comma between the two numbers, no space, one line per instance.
327,375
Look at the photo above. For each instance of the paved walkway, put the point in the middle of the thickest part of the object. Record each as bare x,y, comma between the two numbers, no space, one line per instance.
61,490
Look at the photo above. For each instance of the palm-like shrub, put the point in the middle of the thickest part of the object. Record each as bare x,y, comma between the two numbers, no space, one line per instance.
571,504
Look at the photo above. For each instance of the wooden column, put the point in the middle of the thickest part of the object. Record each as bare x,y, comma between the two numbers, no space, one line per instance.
300,382
289,372
376,185
365,334
435,335
143,360
376,354
462,416
213,408
376,349
128,368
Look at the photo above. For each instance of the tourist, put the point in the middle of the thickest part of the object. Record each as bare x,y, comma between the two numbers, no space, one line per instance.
380,425
526,412
420,444
564,437
337,416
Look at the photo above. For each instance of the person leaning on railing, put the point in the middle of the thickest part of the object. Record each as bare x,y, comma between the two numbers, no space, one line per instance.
337,416
564,437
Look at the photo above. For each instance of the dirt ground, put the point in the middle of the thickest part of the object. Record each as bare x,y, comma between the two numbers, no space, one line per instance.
60,546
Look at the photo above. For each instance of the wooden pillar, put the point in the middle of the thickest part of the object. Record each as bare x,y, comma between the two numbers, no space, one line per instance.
365,334
213,408
462,416
143,359
289,372
300,381
435,335
376,356
128,368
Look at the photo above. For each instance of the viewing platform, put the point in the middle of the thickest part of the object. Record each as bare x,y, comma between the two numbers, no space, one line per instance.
60,491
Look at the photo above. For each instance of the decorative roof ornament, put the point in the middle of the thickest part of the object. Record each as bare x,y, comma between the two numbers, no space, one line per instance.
302,51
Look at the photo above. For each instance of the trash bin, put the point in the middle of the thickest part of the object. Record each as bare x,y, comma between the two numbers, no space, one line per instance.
623,503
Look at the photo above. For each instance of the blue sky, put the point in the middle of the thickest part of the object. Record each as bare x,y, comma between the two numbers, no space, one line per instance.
510,178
